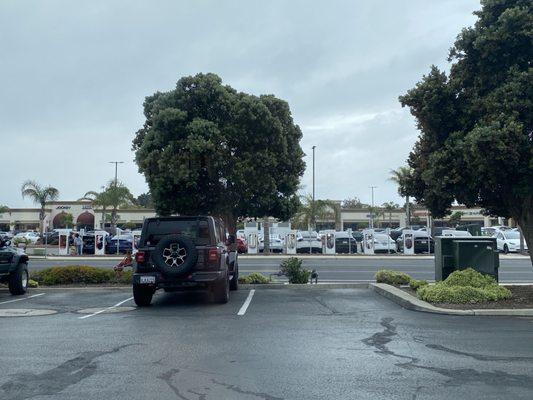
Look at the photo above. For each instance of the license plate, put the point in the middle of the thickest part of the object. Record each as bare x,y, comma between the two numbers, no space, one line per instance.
423,241
147,279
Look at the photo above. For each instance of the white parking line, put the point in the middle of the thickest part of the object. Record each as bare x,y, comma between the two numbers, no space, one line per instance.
246,303
106,309
22,298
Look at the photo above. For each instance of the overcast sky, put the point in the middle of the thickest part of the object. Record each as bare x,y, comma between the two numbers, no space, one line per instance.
74,74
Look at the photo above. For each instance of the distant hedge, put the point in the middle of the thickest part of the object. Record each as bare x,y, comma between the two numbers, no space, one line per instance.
79,275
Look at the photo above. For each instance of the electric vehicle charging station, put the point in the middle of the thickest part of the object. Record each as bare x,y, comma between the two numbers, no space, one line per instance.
328,243
408,242
290,242
63,240
251,234
99,243
368,241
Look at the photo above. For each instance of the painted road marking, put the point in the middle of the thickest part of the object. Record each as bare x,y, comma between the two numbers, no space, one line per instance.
22,298
106,309
246,303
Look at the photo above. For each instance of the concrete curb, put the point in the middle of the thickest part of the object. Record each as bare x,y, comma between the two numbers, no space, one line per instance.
412,303
304,287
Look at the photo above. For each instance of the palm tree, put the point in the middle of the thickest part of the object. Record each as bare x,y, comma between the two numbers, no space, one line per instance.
98,199
390,207
114,196
40,195
310,211
400,177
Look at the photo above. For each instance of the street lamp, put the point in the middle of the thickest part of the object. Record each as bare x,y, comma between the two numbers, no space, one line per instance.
372,208
116,170
313,205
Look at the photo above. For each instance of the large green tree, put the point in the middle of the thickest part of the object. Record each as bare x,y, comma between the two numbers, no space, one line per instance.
206,148
40,195
476,122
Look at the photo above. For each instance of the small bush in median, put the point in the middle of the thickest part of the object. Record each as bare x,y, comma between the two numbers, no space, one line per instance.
292,269
416,284
76,274
392,277
467,286
253,278
33,284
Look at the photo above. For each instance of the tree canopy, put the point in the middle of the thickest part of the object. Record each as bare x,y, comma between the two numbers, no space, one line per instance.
475,145
206,148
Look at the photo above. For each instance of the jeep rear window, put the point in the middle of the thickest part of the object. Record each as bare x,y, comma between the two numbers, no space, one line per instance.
194,229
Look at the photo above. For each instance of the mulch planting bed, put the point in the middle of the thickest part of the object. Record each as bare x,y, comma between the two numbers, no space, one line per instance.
522,298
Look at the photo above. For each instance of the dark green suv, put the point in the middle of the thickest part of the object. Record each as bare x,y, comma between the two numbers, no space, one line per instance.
185,253
13,268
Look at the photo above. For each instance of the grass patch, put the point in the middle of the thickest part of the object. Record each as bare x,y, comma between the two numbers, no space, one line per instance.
466,286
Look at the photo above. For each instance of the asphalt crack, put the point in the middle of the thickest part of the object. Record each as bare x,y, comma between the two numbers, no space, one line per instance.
167,377
456,377
48,383
236,389
479,357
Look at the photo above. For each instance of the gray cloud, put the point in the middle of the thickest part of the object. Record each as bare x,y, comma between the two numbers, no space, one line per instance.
74,76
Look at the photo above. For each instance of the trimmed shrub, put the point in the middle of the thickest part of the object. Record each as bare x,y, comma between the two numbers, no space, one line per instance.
441,293
73,274
392,277
469,277
466,286
292,269
32,283
416,284
254,278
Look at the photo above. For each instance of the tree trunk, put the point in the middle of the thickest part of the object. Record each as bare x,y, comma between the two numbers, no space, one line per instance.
266,236
42,215
526,224
102,222
231,225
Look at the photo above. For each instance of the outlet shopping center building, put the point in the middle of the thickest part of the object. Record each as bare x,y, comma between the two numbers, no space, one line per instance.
84,215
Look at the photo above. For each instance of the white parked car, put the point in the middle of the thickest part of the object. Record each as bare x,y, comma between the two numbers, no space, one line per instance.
509,241
383,243
33,237
455,233
308,241
275,243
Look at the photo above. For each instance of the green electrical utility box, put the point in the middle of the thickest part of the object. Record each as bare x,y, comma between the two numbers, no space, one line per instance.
457,253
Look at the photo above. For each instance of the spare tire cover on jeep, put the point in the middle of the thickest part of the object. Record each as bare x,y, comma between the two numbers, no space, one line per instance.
175,255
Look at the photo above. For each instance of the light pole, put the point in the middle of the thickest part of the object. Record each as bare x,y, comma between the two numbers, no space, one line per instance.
372,208
313,205
116,170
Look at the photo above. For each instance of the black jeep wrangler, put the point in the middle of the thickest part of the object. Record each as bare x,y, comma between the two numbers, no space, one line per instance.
185,253
13,268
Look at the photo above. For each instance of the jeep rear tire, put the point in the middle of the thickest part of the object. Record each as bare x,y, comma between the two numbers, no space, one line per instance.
18,280
221,291
142,295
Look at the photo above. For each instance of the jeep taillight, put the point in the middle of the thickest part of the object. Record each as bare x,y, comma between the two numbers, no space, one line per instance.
139,257
213,256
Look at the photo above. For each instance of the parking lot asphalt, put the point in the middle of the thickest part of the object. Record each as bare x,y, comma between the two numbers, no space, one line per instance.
515,269
287,344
